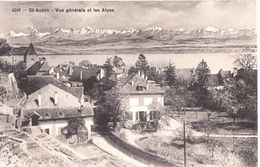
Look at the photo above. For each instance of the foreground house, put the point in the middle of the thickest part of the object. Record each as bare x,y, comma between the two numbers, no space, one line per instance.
49,109
139,95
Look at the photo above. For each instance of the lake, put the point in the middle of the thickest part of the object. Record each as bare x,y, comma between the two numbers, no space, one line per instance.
215,61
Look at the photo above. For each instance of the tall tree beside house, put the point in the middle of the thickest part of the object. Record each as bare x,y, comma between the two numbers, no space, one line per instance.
112,109
154,75
170,75
202,75
108,69
142,63
176,98
91,87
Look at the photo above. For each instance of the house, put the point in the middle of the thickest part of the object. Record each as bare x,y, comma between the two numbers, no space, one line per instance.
139,94
50,108
80,74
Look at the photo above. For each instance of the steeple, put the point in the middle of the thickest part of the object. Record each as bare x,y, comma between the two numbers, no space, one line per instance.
30,56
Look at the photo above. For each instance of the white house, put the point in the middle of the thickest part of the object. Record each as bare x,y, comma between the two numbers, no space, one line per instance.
50,108
139,94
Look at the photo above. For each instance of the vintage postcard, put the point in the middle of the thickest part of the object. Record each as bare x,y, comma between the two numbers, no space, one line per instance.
128,83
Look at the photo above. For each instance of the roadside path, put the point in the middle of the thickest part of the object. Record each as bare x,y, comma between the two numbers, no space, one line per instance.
101,143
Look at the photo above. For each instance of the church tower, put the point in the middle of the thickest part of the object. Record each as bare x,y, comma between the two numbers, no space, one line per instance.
30,56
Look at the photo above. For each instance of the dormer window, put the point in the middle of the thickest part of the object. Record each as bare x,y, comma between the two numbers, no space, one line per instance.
60,114
139,88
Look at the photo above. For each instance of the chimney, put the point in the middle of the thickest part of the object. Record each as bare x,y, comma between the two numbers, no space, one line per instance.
39,99
55,98
132,82
142,75
58,75
147,86
81,74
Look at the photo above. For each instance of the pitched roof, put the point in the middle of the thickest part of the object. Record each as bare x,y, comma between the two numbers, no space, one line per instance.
129,85
37,82
65,99
38,67
184,73
68,105
30,50
86,73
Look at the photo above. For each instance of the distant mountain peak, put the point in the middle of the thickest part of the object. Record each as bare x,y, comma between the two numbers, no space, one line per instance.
153,29
211,29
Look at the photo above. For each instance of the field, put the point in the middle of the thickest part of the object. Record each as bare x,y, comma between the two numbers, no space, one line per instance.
216,150
220,122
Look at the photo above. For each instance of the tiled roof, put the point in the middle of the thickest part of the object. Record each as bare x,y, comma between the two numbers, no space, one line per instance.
65,99
129,85
38,67
37,82
60,113
86,73
68,105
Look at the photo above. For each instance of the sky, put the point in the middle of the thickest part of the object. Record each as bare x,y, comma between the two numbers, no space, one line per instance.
171,15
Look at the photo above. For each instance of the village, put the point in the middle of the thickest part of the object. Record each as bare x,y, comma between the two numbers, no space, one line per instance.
114,115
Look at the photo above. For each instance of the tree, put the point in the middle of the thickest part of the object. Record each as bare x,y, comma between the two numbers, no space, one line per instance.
112,109
108,69
245,61
175,97
118,62
4,47
142,63
76,126
91,87
170,75
132,70
156,112
202,74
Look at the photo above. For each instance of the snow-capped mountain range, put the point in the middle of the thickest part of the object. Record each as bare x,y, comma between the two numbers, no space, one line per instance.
158,33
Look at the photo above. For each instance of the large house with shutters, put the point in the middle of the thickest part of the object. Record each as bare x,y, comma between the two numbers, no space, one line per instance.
139,96
49,109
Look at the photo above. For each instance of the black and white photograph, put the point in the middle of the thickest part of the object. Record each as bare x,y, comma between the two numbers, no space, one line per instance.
128,83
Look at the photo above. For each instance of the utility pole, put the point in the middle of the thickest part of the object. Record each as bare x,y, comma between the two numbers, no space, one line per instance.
184,140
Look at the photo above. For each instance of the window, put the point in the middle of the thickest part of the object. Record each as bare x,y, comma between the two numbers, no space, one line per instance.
152,115
139,88
47,131
61,114
141,116
47,115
